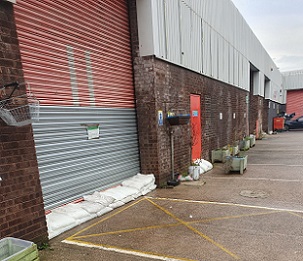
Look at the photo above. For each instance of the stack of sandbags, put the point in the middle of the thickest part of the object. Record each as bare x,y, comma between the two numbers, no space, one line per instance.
204,165
68,216
141,182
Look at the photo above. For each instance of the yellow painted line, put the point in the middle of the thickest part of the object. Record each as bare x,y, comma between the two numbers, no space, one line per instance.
172,225
225,204
106,218
73,239
126,251
196,231
258,179
295,214
233,217
127,230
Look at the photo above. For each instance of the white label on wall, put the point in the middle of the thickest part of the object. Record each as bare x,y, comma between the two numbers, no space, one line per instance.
221,116
93,132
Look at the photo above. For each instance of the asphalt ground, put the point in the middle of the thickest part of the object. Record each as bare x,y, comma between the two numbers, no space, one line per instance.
221,217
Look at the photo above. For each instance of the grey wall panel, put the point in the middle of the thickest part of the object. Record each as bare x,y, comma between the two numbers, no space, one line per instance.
293,80
70,164
213,35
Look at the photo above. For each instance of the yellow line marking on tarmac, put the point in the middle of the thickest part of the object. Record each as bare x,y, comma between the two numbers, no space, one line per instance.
172,225
126,251
274,164
127,230
258,179
233,217
295,214
73,239
226,204
195,230
106,218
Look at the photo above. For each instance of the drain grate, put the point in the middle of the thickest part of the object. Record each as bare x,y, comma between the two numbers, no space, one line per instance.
254,194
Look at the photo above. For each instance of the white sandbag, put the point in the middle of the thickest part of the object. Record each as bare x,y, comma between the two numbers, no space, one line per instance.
127,199
104,211
56,221
145,178
91,207
152,186
132,183
117,193
139,181
145,191
97,197
202,169
204,164
59,223
122,193
207,164
137,195
116,204
128,191
74,211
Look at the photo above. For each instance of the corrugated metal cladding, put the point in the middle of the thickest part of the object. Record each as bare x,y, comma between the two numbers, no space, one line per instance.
76,52
293,80
295,102
207,36
76,57
70,164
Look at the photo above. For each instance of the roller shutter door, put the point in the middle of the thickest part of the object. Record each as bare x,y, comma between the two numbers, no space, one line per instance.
76,57
294,102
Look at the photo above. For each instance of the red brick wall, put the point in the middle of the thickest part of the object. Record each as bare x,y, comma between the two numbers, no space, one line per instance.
163,86
294,102
21,204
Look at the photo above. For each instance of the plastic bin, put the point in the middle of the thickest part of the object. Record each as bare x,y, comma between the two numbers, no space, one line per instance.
14,249
278,123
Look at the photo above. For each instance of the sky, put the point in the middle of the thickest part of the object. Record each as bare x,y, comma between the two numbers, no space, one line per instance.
278,24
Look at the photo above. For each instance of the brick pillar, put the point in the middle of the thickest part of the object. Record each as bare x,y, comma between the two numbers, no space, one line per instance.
22,212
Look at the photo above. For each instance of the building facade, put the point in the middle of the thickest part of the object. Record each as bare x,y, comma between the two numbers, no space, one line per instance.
204,49
107,76
293,82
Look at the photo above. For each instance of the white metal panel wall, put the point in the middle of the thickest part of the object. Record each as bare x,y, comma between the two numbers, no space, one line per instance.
172,31
227,43
293,80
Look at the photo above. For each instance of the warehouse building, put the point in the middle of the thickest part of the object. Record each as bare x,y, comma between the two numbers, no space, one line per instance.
293,85
107,75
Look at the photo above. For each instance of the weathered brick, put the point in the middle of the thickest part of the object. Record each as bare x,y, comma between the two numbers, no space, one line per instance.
163,86
22,212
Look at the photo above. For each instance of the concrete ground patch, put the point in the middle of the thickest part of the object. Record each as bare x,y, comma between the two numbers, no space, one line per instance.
167,229
206,220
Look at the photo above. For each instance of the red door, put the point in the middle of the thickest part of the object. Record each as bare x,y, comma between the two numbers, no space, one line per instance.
195,112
